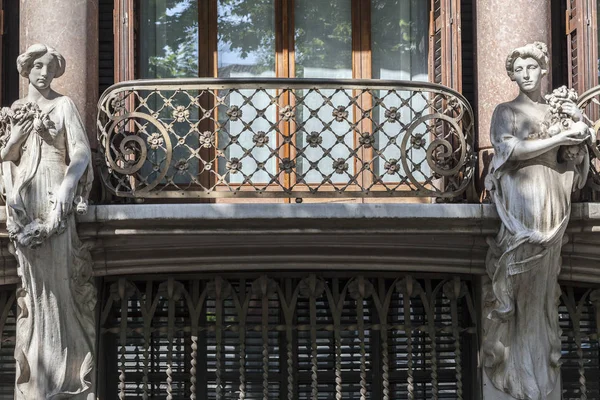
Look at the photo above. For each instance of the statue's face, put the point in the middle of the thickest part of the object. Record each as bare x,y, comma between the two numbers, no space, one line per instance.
43,71
528,74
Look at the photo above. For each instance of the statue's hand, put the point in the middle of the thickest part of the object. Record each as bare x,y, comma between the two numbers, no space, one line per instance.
21,128
578,133
63,202
571,109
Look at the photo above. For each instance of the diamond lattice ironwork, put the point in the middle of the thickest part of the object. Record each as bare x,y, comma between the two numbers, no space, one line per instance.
285,138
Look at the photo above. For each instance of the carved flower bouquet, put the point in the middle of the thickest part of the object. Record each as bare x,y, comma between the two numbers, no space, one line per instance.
26,232
6,114
42,124
558,121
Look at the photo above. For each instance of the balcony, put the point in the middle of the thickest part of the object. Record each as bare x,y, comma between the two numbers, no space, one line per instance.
229,300
285,138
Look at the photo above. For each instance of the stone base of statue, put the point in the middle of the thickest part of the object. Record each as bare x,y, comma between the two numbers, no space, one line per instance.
491,393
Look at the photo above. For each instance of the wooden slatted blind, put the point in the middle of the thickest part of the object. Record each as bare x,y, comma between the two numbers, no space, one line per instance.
579,311
582,44
106,43
294,336
445,43
124,39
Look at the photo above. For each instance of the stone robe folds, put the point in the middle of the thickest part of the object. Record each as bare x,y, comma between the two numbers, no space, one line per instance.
522,336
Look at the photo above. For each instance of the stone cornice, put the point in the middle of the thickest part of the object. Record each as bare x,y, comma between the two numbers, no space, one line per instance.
440,238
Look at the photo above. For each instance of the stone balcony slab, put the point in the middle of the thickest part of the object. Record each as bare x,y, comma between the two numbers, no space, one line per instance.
422,238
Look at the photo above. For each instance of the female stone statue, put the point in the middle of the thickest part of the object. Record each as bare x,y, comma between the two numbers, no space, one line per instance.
46,170
539,160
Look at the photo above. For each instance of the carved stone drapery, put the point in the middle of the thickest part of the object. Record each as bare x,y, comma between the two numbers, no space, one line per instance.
540,158
47,175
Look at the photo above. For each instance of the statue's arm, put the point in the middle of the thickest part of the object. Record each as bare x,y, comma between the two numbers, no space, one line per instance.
80,157
515,149
527,149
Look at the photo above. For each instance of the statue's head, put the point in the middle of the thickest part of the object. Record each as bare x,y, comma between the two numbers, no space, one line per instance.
527,65
41,64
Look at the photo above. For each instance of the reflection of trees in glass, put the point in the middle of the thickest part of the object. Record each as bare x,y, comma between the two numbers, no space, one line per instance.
323,33
247,27
173,23
400,28
179,63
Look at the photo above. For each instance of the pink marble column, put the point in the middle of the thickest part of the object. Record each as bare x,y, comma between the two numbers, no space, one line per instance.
502,26
71,27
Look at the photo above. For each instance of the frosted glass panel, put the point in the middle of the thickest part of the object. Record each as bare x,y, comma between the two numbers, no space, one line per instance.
323,40
246,49
169,39
399,51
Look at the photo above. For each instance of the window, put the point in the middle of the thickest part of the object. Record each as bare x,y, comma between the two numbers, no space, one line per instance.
339,39
412,39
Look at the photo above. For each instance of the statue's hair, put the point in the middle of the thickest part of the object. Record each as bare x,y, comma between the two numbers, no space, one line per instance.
25,61
535,50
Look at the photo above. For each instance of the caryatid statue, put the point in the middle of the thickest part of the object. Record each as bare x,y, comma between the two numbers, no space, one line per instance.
540,159
47,176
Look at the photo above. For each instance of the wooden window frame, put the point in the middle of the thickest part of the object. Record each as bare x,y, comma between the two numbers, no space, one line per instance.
445,27
447,24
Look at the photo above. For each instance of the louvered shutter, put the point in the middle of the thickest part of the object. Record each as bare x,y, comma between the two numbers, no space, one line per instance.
445,62
106,44
124,34
582,44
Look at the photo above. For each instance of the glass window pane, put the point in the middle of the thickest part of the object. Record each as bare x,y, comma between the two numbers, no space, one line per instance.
323,38
246,38
246,48
169,39
399,51
169,49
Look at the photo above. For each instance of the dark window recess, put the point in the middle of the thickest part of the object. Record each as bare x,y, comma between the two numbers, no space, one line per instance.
9,81
106,45
468,51
559,57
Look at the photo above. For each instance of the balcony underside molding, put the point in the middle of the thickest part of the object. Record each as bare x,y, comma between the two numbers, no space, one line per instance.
426,238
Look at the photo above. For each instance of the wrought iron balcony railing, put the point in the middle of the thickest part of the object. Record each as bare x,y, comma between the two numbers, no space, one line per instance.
289,138
589,102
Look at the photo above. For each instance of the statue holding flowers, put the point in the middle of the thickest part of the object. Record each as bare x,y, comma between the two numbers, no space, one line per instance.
47,176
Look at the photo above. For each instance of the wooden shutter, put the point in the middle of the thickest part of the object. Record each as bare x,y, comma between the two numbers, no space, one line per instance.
124,33
106,44
582,44
445,61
